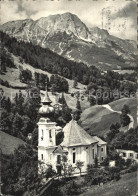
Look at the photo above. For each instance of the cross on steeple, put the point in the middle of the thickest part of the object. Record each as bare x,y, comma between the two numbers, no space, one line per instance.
46,100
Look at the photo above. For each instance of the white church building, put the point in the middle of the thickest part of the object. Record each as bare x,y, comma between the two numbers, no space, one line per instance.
77,144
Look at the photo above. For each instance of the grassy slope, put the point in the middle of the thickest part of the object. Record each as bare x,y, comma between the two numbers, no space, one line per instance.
12,74
97,119
132,103
126,186
8,143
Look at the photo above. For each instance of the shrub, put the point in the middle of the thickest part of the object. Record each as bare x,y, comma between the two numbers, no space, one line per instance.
132,168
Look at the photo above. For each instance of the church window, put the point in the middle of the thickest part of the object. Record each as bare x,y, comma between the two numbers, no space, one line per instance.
93,153
41,156
73,149
86,148
102,158
42,137
74,157
50,134
58,159
101,149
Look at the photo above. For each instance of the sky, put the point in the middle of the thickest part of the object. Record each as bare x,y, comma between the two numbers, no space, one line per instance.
119,17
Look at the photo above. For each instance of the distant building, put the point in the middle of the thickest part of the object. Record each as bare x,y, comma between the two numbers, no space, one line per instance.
128,154
77,144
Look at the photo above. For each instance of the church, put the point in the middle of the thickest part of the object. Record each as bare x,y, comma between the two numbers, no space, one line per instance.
77,144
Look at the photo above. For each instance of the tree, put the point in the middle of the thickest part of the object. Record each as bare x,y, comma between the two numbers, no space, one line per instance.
49,172
53,88
20,103
17,124
8,105
62,100
78,106
75,83
60,84
32,103
114,129
28,125
125,109
92,100
20,170
66,113
94,175
64,163
79,165
96,162
125,119
105,162
76,115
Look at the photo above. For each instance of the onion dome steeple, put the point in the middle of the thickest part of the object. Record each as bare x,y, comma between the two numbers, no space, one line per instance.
46,110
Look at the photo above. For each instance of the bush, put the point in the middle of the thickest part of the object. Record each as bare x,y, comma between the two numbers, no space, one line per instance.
114,173
128,162
132,168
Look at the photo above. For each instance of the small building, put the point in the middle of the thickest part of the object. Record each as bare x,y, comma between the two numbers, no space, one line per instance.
128,154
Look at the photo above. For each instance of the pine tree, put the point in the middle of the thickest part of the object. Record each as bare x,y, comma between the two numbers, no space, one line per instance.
62,100
66,113
17,124
8,105
78,106
20,103
75,83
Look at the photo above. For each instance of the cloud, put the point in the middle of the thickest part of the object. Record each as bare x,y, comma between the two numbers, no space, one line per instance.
9,12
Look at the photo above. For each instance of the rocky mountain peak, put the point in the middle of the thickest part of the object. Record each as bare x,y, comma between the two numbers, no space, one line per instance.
67,22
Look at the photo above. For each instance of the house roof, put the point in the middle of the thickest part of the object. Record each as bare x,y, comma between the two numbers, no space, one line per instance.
100,141
74,135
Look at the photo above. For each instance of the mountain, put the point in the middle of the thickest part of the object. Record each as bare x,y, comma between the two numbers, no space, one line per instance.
68,36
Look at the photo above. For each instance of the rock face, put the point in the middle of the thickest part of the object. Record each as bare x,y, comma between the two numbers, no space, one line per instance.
68,36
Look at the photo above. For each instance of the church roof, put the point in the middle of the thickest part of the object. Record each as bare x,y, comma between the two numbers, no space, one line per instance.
74,135
100,141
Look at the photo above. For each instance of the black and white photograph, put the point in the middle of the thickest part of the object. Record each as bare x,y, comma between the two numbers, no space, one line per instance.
68,98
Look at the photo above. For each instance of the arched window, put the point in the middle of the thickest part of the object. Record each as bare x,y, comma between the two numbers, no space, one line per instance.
50,134
42,136
74,157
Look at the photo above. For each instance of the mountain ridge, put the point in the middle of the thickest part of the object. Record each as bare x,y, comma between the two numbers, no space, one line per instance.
68,36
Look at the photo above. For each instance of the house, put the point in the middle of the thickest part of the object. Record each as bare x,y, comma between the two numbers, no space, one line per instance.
128,154
77,144
101,149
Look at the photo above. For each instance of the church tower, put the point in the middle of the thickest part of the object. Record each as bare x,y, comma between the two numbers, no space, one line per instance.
46,131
